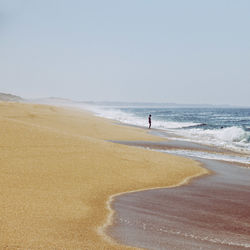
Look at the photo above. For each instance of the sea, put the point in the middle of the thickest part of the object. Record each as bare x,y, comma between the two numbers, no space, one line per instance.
222,127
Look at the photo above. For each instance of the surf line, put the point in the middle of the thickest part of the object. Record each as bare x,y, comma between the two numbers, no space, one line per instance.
210,188
101,230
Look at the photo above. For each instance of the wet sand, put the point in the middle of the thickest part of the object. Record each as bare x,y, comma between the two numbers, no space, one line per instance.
211,212
171,144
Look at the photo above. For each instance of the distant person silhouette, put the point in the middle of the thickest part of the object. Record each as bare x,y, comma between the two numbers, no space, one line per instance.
149,121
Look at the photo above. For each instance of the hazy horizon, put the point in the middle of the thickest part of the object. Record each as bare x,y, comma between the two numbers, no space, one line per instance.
50,99
183,52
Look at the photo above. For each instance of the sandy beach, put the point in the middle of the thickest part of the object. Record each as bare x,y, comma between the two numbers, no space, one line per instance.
58,171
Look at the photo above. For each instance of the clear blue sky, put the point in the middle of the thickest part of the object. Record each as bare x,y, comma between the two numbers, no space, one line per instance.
195,51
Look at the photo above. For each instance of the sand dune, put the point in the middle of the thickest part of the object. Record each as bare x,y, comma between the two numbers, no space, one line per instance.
57,172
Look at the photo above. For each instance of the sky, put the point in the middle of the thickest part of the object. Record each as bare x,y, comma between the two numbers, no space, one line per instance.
193,52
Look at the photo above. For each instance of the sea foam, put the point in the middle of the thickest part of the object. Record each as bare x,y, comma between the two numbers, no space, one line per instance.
211,156
132,119
234,138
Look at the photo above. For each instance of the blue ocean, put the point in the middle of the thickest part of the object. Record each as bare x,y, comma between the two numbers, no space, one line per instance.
225,127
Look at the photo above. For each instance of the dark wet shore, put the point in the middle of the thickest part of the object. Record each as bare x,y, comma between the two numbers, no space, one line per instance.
211,212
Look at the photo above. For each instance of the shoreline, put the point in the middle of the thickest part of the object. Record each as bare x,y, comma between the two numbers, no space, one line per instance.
110,218
177,147
126,219
58,172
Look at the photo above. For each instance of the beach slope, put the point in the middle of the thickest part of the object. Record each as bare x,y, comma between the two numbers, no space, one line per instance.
58,171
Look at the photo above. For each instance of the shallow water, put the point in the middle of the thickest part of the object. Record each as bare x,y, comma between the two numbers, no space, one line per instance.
212,212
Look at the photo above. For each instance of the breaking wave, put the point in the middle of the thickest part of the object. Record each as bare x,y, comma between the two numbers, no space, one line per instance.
230,137
132,119
234,138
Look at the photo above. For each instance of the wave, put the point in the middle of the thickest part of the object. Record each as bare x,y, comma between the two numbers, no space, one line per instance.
130,118
233,138
230,137
199,125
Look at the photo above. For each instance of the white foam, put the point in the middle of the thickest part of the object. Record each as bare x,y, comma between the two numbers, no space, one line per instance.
207,155
234,138
129,118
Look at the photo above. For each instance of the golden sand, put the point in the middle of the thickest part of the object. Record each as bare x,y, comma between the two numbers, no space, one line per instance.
57,172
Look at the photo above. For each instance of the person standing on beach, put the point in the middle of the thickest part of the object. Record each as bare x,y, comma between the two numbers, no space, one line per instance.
149,121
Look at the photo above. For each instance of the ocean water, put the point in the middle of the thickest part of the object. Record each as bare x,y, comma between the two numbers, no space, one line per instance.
227,128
